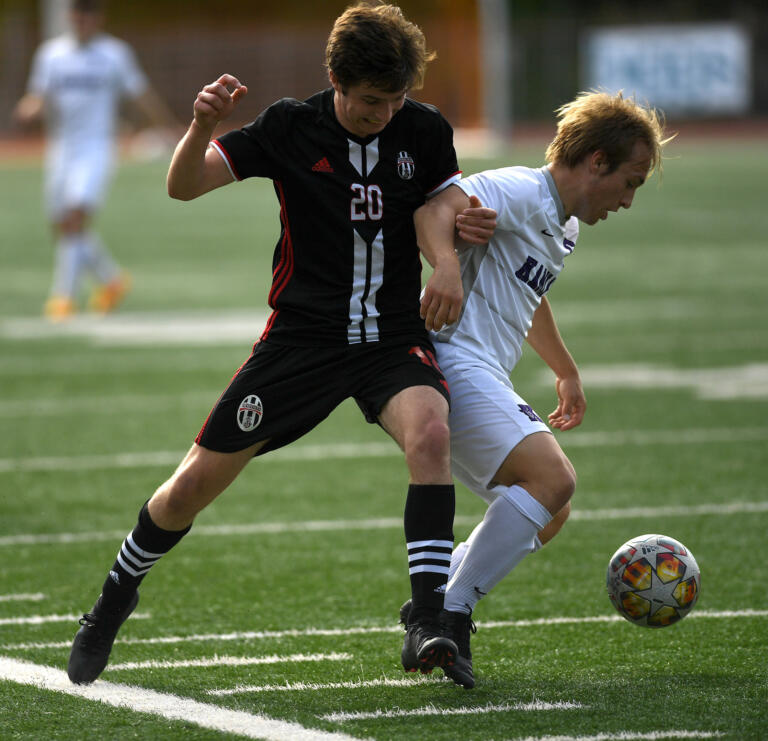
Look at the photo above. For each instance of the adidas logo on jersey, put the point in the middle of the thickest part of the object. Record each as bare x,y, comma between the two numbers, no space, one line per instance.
322,166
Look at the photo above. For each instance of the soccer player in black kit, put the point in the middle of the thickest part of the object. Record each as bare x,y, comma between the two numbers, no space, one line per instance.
349,165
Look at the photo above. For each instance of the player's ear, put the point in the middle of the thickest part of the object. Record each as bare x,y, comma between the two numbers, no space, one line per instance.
335,84
598,162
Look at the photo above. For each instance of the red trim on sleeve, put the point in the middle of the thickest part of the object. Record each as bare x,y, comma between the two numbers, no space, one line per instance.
219,148
438,186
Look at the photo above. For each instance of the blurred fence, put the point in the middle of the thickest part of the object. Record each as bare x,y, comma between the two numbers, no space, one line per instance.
550,46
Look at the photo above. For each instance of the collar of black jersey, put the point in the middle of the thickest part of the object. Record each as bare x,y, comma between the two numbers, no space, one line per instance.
328,112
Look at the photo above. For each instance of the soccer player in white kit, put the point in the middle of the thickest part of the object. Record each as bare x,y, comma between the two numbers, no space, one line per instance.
605,148
77,83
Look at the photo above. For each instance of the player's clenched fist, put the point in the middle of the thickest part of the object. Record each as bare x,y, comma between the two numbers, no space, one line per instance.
216,101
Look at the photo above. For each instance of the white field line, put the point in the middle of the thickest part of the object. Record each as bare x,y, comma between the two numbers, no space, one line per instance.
168,706
228,661
44,619
536,705
746,381
236,326
627,736
313,686
384,523
46,408
36,597
383,449
271,635
146,328
119,362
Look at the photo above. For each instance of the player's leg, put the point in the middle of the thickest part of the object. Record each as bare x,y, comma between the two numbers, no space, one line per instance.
69,264
275,397
89,186
163,521
533,485
544,536
555,524
417,419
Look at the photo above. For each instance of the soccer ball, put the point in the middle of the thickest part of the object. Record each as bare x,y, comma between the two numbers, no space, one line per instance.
653,581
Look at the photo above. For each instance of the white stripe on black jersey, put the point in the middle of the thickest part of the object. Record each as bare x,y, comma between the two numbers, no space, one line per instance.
353,275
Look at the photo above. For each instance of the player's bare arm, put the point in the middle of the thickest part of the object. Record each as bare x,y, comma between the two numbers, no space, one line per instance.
435,232
29,110
476,223
196,168
545,339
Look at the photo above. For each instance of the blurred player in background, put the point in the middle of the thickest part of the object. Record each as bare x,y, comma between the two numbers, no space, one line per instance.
605,148
77,84
350,165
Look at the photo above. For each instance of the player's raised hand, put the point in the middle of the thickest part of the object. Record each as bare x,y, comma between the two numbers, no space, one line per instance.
216,101
571,404
476,224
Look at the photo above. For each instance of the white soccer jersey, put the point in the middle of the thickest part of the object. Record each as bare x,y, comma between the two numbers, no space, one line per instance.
82,85
505,280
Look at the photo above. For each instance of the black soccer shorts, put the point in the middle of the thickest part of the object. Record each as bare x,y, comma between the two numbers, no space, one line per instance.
282,391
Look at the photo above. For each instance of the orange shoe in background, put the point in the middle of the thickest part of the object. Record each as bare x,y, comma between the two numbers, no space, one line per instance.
108,296
59,309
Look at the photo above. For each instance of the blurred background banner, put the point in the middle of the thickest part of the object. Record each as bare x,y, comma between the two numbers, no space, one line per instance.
502,64
683,69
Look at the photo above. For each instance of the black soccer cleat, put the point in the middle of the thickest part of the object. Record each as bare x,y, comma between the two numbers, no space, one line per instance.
457,626
424,648
93,642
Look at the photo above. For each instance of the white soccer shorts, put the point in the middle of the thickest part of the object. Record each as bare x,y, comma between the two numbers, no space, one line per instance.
488,418
77,180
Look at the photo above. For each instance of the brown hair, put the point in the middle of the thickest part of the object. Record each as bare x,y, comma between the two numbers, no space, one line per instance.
610,123
376,44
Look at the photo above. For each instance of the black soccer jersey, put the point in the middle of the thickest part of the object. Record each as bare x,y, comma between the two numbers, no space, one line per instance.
346,268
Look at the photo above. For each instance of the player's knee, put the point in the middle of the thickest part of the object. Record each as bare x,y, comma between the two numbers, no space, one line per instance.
429,444
562,485
72,222
183,495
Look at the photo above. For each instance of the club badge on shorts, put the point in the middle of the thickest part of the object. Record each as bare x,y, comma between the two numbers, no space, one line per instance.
249,413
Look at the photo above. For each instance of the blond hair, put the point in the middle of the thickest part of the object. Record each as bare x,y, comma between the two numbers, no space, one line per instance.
597,120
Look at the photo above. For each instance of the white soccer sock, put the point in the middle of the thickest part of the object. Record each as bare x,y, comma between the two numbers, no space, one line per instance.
68,266
458,556
507,533
99,261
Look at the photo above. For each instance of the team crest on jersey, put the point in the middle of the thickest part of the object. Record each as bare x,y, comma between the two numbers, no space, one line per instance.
249,413
405,165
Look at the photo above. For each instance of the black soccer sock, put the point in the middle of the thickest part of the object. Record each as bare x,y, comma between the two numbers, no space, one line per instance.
429,511
143,547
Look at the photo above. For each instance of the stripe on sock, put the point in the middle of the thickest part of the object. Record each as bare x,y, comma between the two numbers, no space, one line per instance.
136,561
429,556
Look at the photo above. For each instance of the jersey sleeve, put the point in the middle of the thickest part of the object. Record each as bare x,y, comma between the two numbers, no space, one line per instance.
40,74
500,190
255,150
442,155
133,81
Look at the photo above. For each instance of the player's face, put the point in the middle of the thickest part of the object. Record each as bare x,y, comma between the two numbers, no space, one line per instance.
612,191
85,24
364,110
